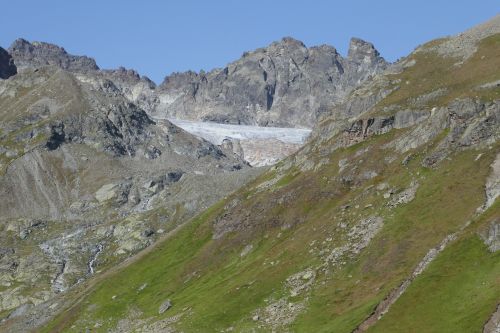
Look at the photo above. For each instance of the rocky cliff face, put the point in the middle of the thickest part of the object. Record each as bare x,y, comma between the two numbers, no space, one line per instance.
285,84
37,54
7,67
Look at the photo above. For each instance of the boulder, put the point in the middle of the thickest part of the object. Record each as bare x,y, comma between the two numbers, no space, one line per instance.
165,306
116,192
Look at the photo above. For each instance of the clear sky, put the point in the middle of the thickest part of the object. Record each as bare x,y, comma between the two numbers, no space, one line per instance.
159,37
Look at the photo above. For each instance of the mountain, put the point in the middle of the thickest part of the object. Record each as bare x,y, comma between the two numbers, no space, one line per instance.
87,177
387,220
285,84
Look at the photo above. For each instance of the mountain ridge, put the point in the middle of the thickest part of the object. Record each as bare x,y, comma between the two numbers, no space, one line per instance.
272,75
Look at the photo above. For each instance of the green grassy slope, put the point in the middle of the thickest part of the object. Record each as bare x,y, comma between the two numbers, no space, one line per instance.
220,289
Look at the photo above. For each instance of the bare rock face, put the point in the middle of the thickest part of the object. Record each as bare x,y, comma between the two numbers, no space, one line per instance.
284,84
37,54
7,67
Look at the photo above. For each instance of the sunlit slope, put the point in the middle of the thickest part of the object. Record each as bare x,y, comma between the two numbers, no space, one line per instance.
381,224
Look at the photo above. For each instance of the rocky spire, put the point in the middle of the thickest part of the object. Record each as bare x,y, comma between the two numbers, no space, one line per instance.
361,52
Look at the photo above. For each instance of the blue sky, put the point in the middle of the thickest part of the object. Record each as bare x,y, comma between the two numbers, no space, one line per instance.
159,37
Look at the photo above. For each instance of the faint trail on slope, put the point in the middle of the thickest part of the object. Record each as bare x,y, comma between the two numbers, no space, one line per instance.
384,306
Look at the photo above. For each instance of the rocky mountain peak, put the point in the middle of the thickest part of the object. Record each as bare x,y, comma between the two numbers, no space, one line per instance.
361,51
7,67
127,76
38,54
290,42
285,84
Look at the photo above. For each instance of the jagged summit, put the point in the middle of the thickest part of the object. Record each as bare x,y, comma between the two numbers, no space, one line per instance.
363,51
36,54
283,84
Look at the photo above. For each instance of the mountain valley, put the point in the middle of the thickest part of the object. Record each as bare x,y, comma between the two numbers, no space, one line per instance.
294,190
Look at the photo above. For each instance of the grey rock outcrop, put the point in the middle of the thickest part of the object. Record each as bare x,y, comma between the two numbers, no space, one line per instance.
38,54
138,89
284,84
492,187
7,67
165,306
491,236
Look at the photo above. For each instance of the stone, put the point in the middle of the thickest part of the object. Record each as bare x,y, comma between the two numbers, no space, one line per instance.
148,232
405,196
165,306
407,160
491,236
246,250
382,186
107,192
116,192
24,233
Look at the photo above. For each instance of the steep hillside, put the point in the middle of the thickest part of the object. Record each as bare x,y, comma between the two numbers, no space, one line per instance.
386,221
